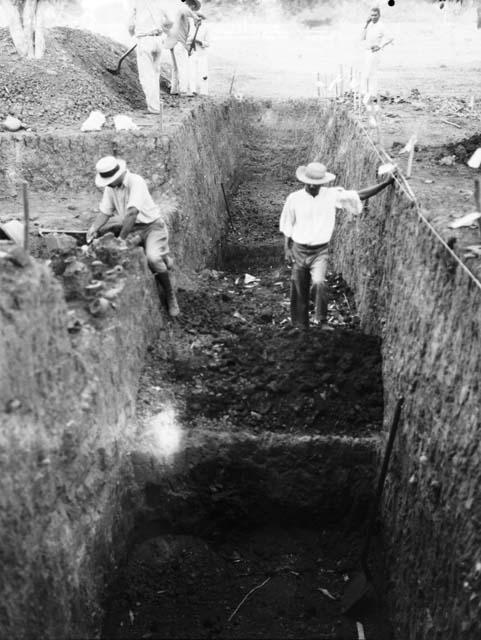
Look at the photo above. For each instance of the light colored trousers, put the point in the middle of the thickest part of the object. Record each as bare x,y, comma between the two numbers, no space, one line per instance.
149,58
199,71
369,77
149,53
309,269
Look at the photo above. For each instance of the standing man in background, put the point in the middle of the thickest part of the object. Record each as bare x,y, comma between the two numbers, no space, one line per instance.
198,45
159,25
375,40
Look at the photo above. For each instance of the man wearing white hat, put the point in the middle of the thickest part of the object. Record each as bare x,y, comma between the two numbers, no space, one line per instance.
127,195
307,222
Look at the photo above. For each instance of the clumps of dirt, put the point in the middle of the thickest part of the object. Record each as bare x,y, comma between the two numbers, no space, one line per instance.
69,82
188,587
239,362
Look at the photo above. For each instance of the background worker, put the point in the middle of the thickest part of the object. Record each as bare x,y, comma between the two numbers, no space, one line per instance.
127,195
148,20
198,46
159,25
375,40
307,222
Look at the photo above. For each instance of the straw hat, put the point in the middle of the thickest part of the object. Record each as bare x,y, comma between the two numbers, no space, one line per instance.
108,170
314,173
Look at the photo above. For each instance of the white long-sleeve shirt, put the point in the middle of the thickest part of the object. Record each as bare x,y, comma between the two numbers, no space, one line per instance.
310,220
173,17
375,35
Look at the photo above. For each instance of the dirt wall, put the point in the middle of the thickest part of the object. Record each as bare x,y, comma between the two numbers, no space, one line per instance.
184,163
412,292
68,380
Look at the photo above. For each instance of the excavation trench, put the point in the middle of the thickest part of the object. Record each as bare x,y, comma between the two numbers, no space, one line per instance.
180,467
271,439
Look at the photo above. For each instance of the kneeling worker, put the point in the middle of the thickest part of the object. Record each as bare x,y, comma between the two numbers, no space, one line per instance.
127,195
307,222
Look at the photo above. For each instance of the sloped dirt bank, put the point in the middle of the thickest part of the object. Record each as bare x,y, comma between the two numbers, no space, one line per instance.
412,291
68,379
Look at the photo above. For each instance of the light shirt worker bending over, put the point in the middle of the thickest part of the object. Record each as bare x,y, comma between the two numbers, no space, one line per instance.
127,195
307,222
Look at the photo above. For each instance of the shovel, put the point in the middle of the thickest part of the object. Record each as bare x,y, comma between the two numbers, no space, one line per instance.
116,71
361,585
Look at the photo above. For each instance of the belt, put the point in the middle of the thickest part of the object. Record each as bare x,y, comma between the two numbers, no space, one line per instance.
312,247
156,32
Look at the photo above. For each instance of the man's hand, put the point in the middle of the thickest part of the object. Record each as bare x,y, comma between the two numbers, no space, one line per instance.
288,257
375,48
368,22
91,234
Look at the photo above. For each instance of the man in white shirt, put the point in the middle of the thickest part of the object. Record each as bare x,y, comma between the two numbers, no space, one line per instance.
375,40
198,46
307,222
159,25
127,195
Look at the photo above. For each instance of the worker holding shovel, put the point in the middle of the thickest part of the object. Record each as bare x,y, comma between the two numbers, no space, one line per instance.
127,195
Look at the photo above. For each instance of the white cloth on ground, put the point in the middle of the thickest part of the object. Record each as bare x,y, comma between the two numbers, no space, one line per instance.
133,192
310,220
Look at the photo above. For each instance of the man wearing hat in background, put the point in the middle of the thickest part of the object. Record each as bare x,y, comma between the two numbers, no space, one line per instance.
307,222
127,195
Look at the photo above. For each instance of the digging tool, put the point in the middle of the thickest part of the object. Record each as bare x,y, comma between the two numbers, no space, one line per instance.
361,584
116,71
192,44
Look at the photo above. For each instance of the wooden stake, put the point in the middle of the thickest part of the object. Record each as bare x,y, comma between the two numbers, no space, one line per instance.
26,217
477,198
341,81
318,86
410,159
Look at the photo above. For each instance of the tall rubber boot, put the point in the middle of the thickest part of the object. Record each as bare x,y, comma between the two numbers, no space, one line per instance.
172,305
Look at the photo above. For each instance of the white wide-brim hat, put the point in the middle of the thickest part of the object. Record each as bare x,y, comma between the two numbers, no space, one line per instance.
314,173
108,170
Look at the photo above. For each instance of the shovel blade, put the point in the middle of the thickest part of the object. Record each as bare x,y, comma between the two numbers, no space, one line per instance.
356,591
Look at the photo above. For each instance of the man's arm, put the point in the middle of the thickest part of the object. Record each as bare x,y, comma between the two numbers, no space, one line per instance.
97,224
365,28
288,249
368,192
129,222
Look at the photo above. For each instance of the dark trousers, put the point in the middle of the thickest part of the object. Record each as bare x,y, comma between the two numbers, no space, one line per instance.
309,270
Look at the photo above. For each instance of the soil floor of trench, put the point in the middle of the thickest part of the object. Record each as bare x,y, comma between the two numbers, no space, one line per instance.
233,362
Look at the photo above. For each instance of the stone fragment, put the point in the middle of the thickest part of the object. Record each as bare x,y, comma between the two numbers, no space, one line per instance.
60,242
19,257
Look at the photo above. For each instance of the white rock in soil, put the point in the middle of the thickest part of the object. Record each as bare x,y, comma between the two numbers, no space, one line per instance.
94,122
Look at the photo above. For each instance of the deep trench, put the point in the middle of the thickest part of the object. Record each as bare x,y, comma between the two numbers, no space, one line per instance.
278,471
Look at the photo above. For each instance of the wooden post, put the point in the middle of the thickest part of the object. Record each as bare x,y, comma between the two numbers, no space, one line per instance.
161,117
411,157
477,198
318,86
341,80
26,217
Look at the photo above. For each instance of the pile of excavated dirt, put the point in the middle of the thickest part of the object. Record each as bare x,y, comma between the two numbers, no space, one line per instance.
69,82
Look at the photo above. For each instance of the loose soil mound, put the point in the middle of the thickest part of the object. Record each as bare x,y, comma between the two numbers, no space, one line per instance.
69,81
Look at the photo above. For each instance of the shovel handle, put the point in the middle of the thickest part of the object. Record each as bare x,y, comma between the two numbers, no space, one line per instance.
381,481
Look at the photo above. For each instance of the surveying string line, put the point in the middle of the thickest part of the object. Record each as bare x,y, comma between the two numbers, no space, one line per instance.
422,216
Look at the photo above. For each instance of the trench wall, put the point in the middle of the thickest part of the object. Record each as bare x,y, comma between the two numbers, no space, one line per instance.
68,390
411,291
184,163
